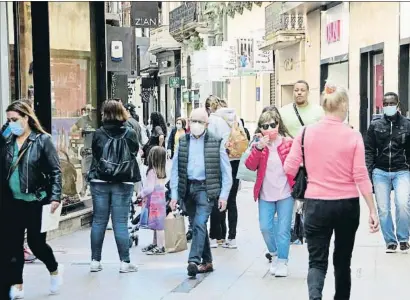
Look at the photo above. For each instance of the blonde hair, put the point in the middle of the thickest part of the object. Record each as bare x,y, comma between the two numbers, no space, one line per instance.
274,115
212,103
222,103
334,97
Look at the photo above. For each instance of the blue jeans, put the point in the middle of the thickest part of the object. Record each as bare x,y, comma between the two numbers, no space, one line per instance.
383,182
114,198
276,234
201,210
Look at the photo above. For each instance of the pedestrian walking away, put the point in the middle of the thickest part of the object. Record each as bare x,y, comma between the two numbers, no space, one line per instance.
387,145
112,176
273,188
335,172
30,158
201,178
224,124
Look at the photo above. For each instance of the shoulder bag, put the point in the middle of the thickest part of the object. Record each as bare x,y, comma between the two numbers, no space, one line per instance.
297,114
301,178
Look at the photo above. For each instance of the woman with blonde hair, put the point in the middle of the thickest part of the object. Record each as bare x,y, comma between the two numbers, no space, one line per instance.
34,179
336,171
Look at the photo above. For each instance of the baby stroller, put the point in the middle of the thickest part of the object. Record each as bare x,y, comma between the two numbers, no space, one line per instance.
133,226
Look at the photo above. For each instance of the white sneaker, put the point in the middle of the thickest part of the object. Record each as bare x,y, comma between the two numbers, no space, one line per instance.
230,244
15,293
95,266
213,243
56,281
281,269
273,266
128,267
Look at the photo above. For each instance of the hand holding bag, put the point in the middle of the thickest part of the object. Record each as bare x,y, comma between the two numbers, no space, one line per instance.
301,178
175,238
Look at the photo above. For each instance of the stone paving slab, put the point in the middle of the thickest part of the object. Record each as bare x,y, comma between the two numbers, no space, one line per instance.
239,274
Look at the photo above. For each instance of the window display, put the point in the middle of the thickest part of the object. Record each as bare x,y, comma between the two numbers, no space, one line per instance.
72,97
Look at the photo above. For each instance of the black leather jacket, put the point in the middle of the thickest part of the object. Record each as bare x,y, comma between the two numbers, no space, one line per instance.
39,167
387,144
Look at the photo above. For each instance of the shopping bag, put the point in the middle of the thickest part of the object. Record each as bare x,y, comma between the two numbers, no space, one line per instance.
144,216
243,172
175,238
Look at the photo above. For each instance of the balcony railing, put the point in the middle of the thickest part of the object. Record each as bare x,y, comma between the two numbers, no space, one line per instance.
182,15
276,21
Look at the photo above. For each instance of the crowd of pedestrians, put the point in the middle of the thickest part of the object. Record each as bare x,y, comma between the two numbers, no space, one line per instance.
295,146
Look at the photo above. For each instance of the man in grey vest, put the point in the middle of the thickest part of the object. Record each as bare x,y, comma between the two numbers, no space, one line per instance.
201,177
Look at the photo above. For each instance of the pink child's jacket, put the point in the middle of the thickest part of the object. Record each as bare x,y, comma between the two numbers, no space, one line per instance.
258,160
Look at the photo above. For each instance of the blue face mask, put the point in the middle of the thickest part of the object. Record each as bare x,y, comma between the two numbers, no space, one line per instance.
390,110
16,128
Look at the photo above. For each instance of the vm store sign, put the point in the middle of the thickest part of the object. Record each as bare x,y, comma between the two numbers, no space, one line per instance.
333,32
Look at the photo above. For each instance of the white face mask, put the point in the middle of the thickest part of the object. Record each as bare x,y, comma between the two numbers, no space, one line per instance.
179,126
197,129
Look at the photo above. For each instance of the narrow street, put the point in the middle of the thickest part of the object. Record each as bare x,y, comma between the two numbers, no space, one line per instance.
239,274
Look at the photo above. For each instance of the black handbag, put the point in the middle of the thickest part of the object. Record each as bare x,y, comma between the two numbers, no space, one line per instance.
301,178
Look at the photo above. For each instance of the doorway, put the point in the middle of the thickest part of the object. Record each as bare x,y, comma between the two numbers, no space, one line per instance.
286,94
371,87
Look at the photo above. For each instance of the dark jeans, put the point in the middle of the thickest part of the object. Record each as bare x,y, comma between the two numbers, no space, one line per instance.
218,219
322,217
201,208
114,198
27,215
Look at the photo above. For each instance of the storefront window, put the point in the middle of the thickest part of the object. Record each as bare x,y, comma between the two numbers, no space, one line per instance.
378,83
73,87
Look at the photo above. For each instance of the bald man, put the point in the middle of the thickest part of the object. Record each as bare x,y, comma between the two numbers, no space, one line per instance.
197,185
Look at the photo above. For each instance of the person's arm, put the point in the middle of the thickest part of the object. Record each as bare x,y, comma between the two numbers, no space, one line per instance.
226,171
133,141
252,162
360,174
161,135
294,158
174,176
149,184
370,149
53,168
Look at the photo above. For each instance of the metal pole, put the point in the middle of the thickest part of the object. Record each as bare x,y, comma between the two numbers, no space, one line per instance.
4,63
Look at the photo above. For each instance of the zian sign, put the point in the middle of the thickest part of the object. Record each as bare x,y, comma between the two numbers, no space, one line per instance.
144,14
333,32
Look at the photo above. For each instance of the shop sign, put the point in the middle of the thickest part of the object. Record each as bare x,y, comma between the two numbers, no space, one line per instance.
174,82
333,32
263,60
258,94
144,14
229,59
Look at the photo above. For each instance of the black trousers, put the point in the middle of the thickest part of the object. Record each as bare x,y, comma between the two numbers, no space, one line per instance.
5,257
218,219
322,217
27,215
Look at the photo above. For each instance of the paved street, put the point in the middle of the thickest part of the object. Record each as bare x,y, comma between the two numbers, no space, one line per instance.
239,274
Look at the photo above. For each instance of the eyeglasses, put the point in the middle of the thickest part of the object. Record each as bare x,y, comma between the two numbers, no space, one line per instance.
266,126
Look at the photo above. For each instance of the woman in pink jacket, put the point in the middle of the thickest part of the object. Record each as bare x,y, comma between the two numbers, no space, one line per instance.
336,171
273,188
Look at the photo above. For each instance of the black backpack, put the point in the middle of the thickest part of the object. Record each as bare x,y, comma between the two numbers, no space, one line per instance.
117,163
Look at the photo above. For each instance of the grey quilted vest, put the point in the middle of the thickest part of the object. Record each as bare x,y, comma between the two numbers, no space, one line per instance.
212,166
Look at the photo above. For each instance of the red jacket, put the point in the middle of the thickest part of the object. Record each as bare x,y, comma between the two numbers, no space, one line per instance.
258,160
